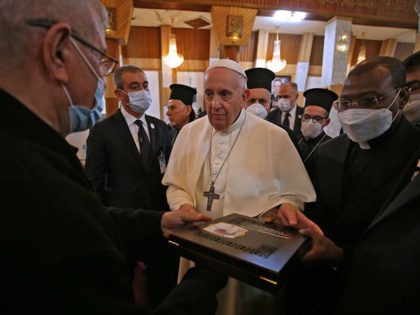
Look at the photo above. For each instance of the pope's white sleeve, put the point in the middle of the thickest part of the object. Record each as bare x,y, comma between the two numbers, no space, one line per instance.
294,201
177,197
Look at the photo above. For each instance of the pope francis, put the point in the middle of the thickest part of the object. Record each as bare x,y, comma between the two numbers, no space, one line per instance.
231,161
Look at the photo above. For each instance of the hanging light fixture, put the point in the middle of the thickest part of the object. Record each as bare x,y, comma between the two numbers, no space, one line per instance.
276,64
173,59
362,50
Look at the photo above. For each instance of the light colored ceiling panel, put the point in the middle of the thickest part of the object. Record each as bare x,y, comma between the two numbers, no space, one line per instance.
157,17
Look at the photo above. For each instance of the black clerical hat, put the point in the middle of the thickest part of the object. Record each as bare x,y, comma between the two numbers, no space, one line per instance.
184,93
320,97
259,78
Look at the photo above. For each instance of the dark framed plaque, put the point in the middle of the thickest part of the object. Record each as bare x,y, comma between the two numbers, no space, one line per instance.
248,249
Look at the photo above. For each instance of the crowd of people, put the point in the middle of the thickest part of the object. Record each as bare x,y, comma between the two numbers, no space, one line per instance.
92,239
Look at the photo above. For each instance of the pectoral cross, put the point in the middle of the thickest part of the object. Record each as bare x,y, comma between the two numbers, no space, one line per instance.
211,195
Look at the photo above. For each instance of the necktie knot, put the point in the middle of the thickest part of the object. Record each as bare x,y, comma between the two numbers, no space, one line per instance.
139,123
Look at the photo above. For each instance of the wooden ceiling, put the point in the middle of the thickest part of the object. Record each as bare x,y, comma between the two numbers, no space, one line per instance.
389,13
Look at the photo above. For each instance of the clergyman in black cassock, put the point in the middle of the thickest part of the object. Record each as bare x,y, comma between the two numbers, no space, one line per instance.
354,180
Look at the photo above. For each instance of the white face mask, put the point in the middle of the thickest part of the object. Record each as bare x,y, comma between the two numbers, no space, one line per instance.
412,109
363,124
284,104
334,126
258,110
311,129
140,101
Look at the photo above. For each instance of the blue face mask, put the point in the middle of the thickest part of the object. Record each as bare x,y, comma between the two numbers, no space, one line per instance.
140,101
81,117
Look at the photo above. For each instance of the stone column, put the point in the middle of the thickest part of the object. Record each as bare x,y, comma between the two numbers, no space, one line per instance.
262,48
417,9
417,44
214,51
334,62
302,67
388,47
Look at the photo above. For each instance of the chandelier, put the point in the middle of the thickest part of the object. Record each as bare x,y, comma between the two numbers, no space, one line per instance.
276,64
173,59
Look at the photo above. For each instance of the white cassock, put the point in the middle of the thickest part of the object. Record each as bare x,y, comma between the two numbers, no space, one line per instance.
254,166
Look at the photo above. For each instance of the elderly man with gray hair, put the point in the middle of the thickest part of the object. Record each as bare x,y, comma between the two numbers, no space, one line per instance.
215,166
62,251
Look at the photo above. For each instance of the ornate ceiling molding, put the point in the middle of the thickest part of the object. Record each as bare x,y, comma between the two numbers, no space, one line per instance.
120,13
393,13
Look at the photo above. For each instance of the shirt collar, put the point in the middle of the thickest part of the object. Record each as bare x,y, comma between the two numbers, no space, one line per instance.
292,112
130,119
237,123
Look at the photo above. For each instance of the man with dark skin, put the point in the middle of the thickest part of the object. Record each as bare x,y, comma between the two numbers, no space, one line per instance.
355,176
412,66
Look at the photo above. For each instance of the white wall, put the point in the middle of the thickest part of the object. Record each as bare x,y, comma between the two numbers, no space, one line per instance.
154,109
313,82
195,80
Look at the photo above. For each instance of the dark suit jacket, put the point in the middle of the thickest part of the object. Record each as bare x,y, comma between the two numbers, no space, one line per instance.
385,274
291,134
115,167
275,117
344,208
62,252
346,205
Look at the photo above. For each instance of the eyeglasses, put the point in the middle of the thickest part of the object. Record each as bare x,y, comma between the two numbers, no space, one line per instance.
307,117
369,102
413,85
107,63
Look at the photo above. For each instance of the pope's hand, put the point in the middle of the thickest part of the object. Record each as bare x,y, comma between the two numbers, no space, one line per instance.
184,216
322,249
187,207
293,217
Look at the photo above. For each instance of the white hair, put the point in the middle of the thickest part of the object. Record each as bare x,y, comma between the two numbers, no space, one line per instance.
16,36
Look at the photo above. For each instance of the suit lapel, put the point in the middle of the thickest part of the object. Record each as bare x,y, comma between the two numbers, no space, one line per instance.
276,116
411,191
299,112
